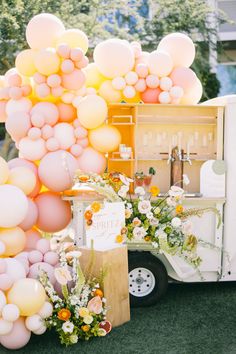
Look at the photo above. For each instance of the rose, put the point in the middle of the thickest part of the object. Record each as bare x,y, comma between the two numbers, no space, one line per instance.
139,233
88,319
154,221
176,222
150,215
144,206
83,312
73,338
68,327
136,222
171,202
176,191
139,191
95,305
128,213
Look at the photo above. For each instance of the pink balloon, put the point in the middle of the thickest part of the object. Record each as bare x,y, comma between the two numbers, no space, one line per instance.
73,81
47,131
6,282
31,217
32,237
35,256
57,91
4,93
52,144
76,54
57,169
150,95
67,112
18,337
82,63
183,77
64,133
36,268
54,80
14,80
51,258
54,213
15,93
48,110
81,132
92,161
142,70
83,142
42,90
67,66
32,150
34,133
37,120
26,90
24,261
39,78
64,50
3,266
43,245
3,115
152,81
76,150
18,124
141,85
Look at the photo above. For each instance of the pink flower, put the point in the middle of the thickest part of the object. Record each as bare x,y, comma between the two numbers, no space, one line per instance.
95,305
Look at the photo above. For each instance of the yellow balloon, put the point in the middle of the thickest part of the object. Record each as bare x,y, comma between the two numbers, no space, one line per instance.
4,171
93,76
92,111
28,294
47,61
74,38
23,178
25,62
109,93
14,240
135,99
105,138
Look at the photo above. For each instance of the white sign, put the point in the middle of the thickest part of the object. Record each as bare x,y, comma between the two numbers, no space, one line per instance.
106,225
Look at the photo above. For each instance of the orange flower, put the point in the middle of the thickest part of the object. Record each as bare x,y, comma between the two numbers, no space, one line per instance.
89,222
154,190
119,238
83,178
85,328
124,231
96,207
88,215
179,209
147,238
64,314
98,292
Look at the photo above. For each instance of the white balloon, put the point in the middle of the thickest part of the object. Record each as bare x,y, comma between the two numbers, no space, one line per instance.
166,83
118,83
2,248
33,323
10,312
160,63
3,300
176,92
64,133
164,97
46,310
22,105
5,327
15,269
41,330
129,91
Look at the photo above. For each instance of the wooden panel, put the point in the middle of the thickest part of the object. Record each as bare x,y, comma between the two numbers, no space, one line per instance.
116,284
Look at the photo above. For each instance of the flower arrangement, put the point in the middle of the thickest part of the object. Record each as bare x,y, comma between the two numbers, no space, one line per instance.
80,312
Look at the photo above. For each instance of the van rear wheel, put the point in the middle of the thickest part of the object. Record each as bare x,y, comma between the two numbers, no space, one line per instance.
148,279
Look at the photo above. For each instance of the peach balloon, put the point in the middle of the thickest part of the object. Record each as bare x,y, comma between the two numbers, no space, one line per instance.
176,44
141,85
76,150
4,171
54,213
129,92
83,142
18,337
92,111
43,245
184,77
64,50
32,237
93,76
35,256
31,217
42,90
43,30
76,54
18,125
39,78
47,61
142,70
164,97
26,90
37,119
113,57
34,133
64,133
25,62
131,78
166,83
160,63
67,97
6,282
118,83
57,169
92,161
54,80
47,131
67,113
106,138
109,93
15,93
67,66
3,115
74,38
193,95
28,294
74,80
32,149
48,110
13,80
81,132
152,81
52,144
150,95
14,269
23,178
22,105
13,206
14,240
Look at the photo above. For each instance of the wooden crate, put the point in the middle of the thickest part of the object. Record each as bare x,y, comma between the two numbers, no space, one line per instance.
116,287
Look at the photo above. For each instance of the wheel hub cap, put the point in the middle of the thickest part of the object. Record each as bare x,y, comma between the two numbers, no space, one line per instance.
141,282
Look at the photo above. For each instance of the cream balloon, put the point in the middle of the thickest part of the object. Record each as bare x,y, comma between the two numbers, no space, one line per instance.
14,269
93,76
5,327
23,178
28,294
46,310
92,111
33,323
109,93
10,313
14,240
25,62
74,38
105,138
160,63
193,95
3,300
32,150
47,61
64,133
22,105
114,57
4,171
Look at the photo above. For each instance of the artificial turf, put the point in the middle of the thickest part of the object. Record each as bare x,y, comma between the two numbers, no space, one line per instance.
190,319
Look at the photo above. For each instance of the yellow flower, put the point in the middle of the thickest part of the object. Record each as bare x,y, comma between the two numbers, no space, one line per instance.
83,312
88,215
154,190
119,238
179,209
85,328
96,207
64,314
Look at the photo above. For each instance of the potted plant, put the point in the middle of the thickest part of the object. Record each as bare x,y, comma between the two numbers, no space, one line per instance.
139,178
148,178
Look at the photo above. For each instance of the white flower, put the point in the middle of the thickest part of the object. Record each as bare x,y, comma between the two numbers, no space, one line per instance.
73,254
136,222
73,338
129,205
144,206
160,233
139,191
88,319
68,327
150,215
186,180
62,275
125,180
176,222
154,221
123,191
175,191
187,227
171,202
155,244
139,233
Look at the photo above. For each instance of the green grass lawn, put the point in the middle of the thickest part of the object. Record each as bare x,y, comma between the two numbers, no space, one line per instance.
191,319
